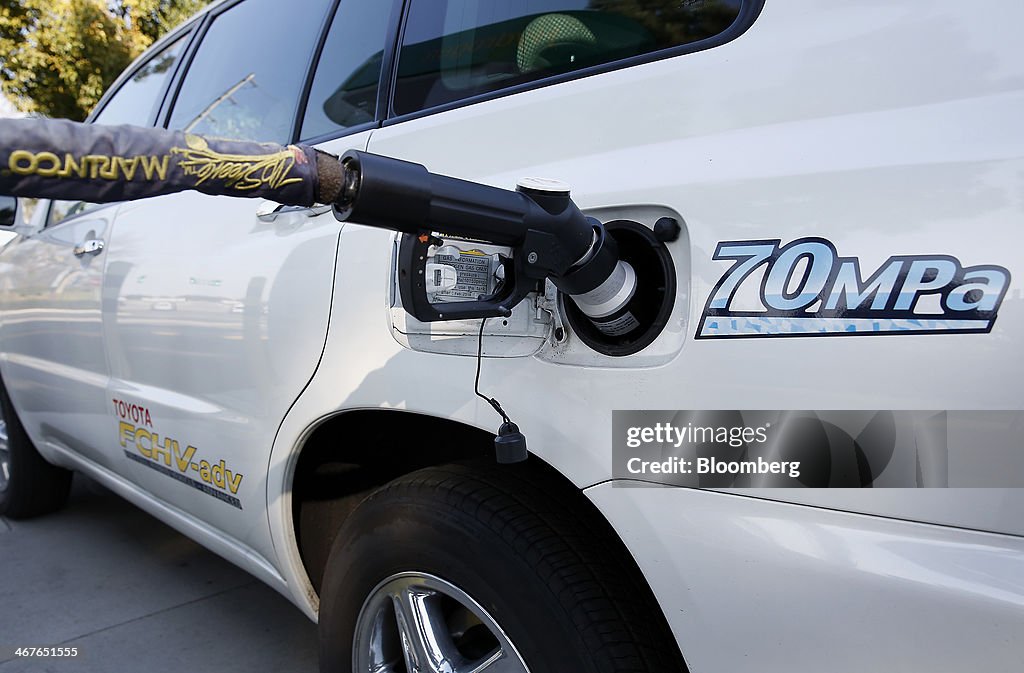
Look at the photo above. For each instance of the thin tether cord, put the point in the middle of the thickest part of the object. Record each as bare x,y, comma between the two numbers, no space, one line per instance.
476,386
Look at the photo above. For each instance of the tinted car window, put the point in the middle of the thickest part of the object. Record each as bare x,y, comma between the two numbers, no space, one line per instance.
246,77
344,91
454,49
137,99
134,103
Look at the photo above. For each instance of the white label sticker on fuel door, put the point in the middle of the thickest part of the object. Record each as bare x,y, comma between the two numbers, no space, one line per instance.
474,274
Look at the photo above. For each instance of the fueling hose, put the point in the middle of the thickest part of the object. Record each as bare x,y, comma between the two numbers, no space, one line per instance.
59,159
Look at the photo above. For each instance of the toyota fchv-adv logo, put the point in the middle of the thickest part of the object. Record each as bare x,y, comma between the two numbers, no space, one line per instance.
806,289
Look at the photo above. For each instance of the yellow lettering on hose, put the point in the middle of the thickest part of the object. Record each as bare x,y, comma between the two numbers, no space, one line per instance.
71,166
17,165
52,169
109,172
239,171
151,165
98,163
94,166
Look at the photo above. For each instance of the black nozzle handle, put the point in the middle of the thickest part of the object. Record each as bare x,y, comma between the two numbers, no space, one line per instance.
403,196
548,235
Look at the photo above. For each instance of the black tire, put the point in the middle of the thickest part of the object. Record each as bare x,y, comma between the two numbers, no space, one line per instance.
32,487
544,568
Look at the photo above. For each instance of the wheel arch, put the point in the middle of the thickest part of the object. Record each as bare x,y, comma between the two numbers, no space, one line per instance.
346,456
350,454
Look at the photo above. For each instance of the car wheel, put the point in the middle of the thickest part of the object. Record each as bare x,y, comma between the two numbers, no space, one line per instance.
29,486
462,569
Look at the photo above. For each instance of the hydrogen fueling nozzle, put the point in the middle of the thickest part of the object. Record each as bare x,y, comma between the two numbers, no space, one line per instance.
548,235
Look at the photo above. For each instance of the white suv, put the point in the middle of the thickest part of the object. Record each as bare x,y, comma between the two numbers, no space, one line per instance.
823,203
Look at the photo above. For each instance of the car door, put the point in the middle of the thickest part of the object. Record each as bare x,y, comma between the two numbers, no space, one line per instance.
55,360
220,306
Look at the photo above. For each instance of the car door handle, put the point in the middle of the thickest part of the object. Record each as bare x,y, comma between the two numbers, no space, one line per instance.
270,211
92,246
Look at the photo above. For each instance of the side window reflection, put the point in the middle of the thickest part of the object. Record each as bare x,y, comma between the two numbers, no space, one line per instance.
134,103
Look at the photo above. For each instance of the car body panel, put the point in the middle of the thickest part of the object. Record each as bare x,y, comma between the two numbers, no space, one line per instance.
54,357
751,585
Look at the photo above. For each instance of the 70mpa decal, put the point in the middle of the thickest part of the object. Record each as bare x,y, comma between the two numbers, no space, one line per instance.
830,296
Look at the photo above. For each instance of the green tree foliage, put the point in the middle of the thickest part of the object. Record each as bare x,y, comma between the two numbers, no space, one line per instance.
57,57
153,18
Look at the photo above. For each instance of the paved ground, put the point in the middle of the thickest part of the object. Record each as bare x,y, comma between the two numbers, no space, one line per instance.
133,595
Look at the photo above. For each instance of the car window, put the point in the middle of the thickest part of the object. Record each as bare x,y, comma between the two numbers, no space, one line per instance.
134,103
454,49
246,77
344,90
139,97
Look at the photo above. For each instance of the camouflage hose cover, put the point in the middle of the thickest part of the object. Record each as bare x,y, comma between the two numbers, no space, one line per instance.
59,159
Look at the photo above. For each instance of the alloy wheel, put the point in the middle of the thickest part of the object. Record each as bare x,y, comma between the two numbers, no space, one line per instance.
419,623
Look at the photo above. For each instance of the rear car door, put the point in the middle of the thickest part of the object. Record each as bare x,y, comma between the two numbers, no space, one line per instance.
56,364
220,306
581,91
